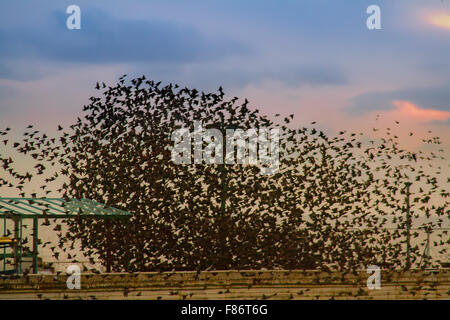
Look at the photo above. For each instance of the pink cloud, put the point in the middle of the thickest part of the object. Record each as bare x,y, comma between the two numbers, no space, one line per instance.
410,110
440,19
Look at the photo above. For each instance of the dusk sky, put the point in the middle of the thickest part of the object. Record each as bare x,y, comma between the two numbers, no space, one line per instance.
314,58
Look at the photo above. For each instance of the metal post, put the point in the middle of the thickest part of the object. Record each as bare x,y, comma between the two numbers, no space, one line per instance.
426,251
223,167
408,228
222,231
16,243
20,245
427,248
4,248
108,246
35,245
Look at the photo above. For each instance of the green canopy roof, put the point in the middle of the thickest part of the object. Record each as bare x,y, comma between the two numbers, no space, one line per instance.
51,208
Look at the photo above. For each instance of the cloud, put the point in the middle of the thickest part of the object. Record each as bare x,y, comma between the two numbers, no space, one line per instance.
310,75
104,39
57,98
239,72
429,98
410,110
441,20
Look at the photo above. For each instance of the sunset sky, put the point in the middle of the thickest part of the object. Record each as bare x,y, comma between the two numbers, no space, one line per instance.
313,58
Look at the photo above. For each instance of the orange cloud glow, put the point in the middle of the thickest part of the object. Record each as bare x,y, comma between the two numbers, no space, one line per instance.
441,20
410,110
